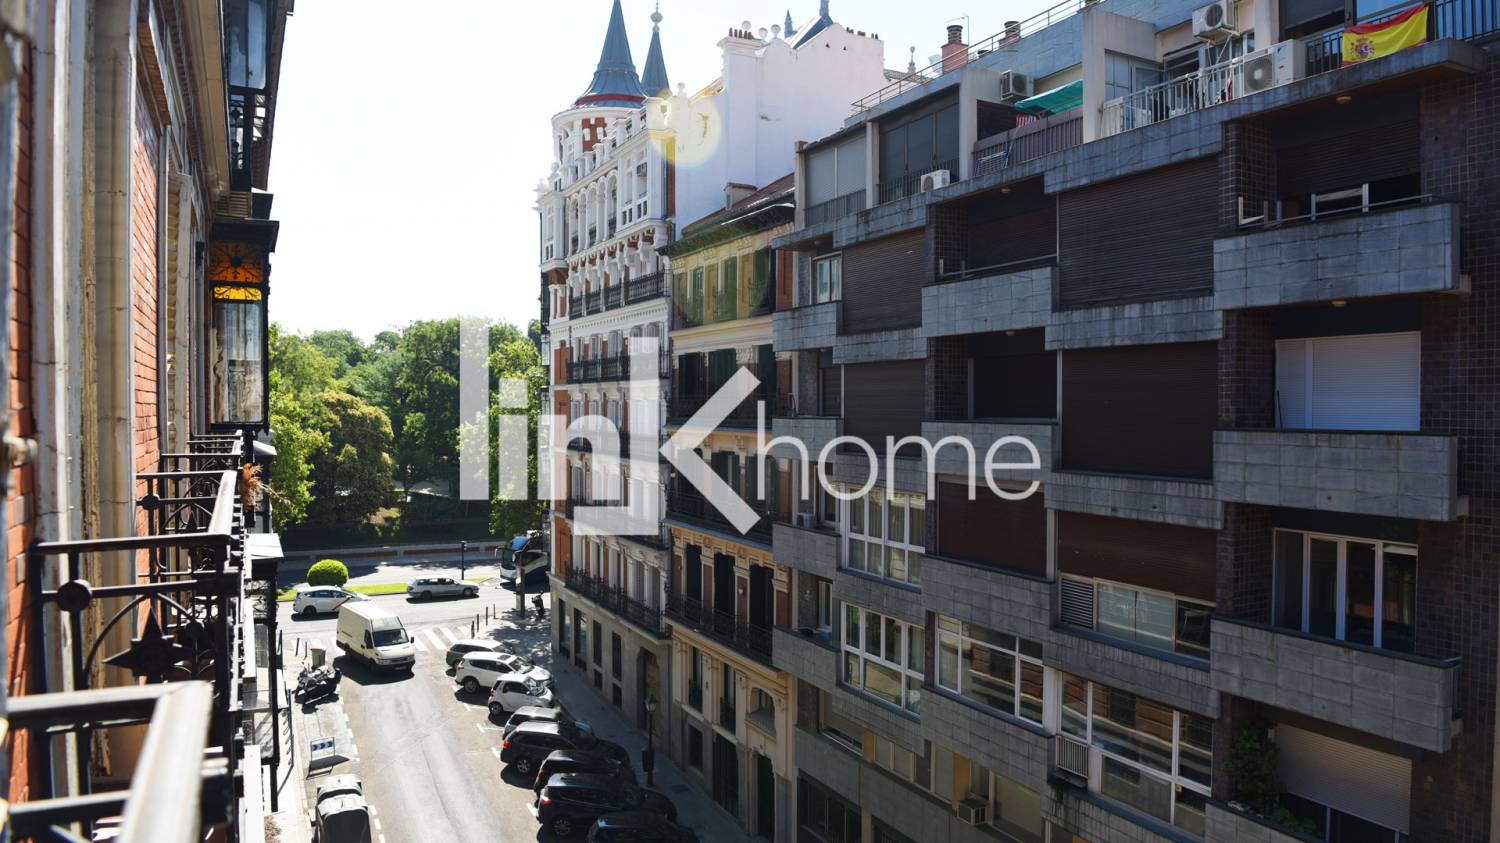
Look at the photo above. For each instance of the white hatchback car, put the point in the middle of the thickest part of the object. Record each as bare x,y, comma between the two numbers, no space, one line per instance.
513,691
430,587
482,670
321,599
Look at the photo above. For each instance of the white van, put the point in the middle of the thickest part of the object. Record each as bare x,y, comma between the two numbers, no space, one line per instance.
375,636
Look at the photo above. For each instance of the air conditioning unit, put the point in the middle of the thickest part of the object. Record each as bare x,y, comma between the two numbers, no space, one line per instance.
1214,22
972,811
1276,65
1014,86
935,180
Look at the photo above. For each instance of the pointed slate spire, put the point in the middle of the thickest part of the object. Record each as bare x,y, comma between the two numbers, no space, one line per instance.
814,26
615,82
788,30
654,76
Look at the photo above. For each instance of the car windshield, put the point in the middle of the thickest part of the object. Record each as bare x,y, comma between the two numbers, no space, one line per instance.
522,665
534,687
386,637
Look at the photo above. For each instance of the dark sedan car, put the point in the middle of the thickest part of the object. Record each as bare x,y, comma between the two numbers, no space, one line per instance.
639,827
530,743
572,802
580,761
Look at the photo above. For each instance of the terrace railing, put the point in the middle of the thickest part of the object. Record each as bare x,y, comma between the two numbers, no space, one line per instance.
1026,143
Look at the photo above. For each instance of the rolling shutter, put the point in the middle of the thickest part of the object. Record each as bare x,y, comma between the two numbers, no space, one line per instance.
1165,557
884,399
883,283
1370,382
1141,238
1350,159
1147,409
1015,238
1354,779
992,530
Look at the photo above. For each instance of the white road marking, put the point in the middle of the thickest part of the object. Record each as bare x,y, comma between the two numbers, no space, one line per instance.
496,750
437,640
454,639
377,823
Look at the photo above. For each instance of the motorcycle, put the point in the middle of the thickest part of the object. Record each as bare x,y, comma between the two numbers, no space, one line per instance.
315,683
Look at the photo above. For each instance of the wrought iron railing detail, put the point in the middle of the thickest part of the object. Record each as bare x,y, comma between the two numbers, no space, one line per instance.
722,624
615,599
693,507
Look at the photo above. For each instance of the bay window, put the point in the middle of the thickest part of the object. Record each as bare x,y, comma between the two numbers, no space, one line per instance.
884,535
1142,754
883,657
1357,590
991,668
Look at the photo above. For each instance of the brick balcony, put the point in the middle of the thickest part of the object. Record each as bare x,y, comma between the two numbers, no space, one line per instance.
1380,692
1401,475
1404,249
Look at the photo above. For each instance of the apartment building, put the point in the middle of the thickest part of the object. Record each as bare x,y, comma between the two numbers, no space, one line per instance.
634,162
605,211
140,626
729,704
1238,293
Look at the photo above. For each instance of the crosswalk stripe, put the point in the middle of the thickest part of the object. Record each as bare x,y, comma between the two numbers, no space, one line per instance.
452,638
416,641
437,640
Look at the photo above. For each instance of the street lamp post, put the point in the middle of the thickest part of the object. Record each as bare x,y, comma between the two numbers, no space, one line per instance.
648,758
463,562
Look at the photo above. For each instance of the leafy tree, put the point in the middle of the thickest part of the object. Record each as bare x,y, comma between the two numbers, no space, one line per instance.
425,408
297,371
514,356
342,347
352,473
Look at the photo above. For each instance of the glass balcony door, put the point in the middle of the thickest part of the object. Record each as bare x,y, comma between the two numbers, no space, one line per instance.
1357,590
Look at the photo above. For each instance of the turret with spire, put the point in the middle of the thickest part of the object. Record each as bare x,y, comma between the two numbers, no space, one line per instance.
813,27
789,30
654,76
615,82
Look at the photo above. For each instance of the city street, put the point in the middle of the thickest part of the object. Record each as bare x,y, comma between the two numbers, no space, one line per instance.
426,751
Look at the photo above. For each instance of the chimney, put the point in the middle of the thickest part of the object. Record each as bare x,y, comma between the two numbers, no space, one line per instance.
955,52
1012,31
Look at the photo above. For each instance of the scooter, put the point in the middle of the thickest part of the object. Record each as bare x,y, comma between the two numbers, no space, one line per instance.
315,683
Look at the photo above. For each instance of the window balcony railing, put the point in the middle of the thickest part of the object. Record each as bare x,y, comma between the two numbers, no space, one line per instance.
615,599
999,41
691,506
682,407
907,184
833,209
1459,19
1174,98
593,301
721,624
645,288
1026,143
727,714
575,306
178,618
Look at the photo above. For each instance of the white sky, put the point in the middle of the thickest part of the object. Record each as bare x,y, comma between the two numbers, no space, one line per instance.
410,137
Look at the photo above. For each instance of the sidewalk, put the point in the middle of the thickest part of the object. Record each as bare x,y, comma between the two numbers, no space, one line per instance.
694,808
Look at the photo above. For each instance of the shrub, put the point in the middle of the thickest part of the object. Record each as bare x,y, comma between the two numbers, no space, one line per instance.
328,572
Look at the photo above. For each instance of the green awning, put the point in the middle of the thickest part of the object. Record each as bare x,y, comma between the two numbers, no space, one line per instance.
1053,101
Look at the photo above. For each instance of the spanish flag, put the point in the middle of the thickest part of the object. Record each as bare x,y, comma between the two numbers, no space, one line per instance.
1366,41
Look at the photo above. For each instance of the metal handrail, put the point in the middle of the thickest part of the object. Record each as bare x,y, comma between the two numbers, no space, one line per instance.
835,208
1407,201
906,185
1191,92
1027,143
1000,40
944,275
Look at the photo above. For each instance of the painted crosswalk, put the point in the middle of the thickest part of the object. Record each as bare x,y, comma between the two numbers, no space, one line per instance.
432,640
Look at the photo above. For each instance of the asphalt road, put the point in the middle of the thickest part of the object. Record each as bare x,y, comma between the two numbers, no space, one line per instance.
428,752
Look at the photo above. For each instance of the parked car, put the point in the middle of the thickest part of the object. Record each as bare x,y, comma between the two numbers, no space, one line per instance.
376,637
528,714
482,670
639,827
580,761
430,587
571,802
340,814
515,690
531,743
321,600
462,648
